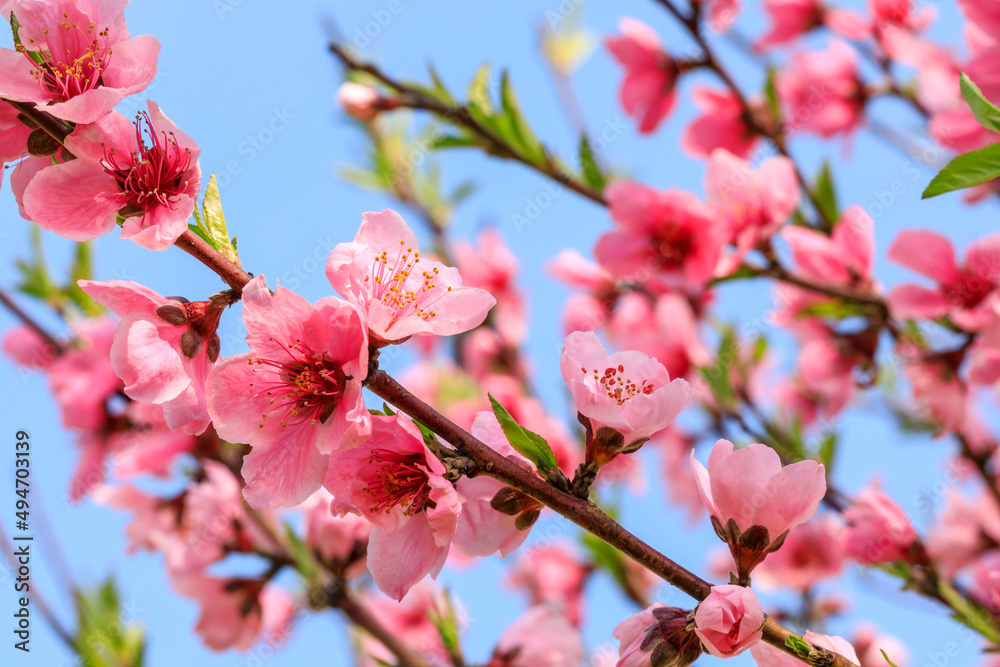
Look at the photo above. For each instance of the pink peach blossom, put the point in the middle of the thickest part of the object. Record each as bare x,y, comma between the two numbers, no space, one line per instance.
333,537
721,125
482,530
668,237
397,484
492,267
232,614
984,15
540,638
964,530
682,489
810,554
552,576
402,293
938,390
152,181
722,14
13,137
869,642
296,396
363,102
625,391
822,93
411,620
789,19
845,257
769,656
878,531
647,92
754,203
657,635
81,377
963,292
667,329
77,60
163,348
729,620
748,490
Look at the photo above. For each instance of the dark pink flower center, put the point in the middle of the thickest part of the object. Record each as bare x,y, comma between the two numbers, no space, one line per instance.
400,480
672,245
155,175
388,284
76,58
971,288
617,386
306,386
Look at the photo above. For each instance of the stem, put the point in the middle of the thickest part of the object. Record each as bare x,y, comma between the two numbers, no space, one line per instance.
459,115
56,128
231,273
581,512
57,347
364,619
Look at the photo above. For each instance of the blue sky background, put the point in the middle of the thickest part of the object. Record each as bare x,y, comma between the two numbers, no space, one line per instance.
229,68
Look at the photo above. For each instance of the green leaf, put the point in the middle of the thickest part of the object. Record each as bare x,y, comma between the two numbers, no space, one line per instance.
968,613
985,111
445,620
212,222
592,175
451,141
606,556
479,94
462,192
826,195
886,656
530,445
104,638
798,644
305,561
738,274
771,93
835,309
828,450
440,90
759,348
966,171
518,130
81,269
35,279
716,376
387,411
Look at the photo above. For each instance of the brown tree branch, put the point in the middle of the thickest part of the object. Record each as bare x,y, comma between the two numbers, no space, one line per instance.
581,512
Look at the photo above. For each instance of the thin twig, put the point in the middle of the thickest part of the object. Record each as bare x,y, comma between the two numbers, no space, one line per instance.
460,115
57,347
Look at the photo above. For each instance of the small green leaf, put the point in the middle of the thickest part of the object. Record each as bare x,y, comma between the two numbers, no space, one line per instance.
213,223
826,195
530,445
759,348
985,111
451,141
387,411
798,644
966,171
592,175
886,656
305,561
518,129
738,274
771,93
479,94
81,270
462,192
440,90
828,450
968,612
835,309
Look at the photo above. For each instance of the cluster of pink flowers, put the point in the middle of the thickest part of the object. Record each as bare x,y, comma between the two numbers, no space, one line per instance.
280,435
